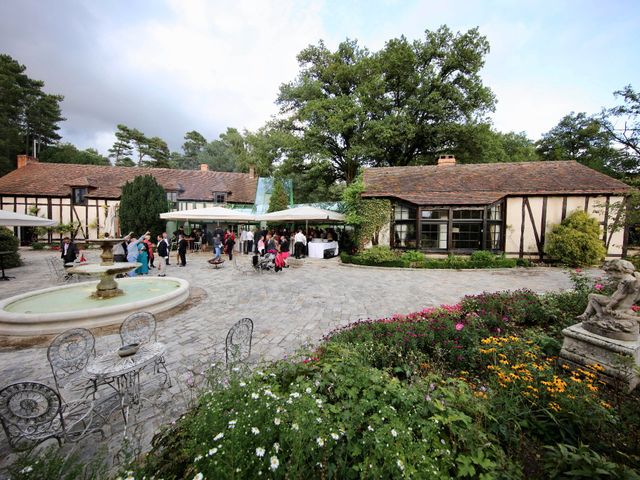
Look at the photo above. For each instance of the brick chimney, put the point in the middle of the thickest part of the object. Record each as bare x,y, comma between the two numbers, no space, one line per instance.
444,160
204,167
252,171
23,160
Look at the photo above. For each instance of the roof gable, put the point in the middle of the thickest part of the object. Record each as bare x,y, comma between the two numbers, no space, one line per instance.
486,182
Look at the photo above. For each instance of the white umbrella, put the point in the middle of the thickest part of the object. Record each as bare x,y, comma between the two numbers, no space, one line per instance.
210,213
310,214
10,219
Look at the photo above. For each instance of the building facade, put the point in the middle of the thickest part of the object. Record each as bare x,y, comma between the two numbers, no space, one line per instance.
89,195
503,207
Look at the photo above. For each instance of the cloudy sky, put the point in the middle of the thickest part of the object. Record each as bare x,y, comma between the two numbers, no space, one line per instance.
170,66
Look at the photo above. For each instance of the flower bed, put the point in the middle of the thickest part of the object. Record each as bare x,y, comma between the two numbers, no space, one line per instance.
471,390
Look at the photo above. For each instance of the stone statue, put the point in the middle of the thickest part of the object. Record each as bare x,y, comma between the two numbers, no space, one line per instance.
612,316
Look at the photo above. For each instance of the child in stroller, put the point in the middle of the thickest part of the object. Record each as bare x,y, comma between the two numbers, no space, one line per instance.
266,262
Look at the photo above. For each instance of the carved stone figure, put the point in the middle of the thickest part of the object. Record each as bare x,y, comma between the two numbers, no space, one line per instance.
612,316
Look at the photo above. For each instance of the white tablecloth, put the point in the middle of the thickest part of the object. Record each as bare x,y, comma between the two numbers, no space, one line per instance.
316,249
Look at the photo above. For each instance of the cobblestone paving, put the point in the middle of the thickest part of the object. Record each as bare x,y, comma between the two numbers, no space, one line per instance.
290,308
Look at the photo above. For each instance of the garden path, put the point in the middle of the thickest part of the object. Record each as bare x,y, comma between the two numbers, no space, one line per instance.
288,309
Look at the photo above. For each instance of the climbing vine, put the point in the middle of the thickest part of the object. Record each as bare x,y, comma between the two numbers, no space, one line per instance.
368,216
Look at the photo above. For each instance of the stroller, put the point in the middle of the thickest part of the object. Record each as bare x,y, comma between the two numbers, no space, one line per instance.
266,262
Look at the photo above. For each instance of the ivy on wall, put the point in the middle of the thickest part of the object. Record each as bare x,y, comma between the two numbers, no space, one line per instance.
368,216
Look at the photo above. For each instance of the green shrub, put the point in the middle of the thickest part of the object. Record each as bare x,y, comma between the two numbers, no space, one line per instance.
568,462
378,254
576,241
53,463
37,246
413,256
9,243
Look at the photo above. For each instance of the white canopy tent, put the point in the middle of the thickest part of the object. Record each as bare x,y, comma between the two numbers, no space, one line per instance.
210,213
307,214
10,219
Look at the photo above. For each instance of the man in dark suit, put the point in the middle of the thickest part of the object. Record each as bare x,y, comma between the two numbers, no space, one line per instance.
182,251
68,250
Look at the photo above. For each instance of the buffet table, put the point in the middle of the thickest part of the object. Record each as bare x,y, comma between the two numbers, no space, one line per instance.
316,249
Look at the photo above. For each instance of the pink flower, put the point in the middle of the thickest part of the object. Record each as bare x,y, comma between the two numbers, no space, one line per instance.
635,308
598,286
578,270
459,326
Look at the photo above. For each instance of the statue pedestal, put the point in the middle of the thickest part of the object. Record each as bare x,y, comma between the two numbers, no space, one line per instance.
581,348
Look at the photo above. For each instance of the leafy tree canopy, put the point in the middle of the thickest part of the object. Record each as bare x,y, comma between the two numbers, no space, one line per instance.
132,147
622,122
68,153
27,113
398,106
141,203
581,138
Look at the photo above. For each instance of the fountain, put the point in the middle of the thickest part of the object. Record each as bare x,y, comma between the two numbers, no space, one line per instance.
93,303
107,286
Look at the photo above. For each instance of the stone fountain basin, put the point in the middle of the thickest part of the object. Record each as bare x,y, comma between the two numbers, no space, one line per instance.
56,309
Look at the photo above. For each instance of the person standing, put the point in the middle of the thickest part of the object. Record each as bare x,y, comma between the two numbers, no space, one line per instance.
165,239
163,253
132,251
143,257
68,250
217,248
229,242
149,245
243,241
300,241
249,248
182,251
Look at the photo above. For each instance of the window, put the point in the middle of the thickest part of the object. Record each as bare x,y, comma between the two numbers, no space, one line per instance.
467,214
172,196
495,212
220,197
435,214
494,240
404,212
434,235
405,235
467,236
78,196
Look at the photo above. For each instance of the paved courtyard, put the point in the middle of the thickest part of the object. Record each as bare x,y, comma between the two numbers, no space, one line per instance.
290,308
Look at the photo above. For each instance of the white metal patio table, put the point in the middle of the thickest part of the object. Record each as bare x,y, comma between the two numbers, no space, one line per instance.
125,372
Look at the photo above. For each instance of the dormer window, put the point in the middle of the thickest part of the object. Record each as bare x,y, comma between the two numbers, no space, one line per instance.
78,195
220,197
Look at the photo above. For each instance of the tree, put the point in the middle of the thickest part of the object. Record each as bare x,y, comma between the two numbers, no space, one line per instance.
27,113
279,199
227,154
623,125
122,151
68,153
192,147
581,138
141,203
479,143
150,152
399,106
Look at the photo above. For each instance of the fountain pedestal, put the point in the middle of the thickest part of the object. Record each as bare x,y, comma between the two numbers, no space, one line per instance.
108,269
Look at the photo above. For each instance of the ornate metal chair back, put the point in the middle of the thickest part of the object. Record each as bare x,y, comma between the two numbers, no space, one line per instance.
31,413
68,355
238,342
138,327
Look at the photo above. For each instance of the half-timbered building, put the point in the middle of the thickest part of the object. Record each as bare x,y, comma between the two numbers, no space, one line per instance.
503,207
89,195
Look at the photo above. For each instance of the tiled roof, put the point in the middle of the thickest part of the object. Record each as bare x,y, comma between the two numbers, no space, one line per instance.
484,183
56,179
